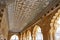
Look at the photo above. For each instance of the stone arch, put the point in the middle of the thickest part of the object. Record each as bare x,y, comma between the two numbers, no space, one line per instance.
24,36
29,35
21,36
1,37
54,24
14,37
37,29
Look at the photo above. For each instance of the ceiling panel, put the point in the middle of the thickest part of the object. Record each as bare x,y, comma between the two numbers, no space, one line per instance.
22,12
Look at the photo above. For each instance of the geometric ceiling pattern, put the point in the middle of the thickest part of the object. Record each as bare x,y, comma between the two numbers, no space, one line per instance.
21,12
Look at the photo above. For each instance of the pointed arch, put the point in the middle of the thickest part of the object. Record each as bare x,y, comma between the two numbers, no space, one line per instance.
37,34
29,35
24,36
21,37
55,26
1,37
14,37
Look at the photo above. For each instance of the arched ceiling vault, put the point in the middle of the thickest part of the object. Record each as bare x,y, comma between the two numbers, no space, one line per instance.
23,12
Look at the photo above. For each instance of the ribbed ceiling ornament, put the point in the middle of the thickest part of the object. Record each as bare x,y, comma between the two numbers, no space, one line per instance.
23,12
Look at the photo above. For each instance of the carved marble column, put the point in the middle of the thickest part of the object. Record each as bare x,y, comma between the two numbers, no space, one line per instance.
46,34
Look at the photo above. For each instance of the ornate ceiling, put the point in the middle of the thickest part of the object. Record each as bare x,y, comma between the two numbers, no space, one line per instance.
22,12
